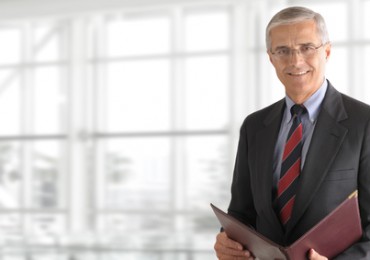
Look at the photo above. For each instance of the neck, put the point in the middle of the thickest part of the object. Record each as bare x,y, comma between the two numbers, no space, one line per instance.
299,99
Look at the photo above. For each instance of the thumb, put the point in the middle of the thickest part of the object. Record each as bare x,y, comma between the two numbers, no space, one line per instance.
312,254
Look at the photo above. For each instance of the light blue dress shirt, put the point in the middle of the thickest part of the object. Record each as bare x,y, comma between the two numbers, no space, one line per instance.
313,105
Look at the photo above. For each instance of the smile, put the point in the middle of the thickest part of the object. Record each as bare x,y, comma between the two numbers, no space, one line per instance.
298,73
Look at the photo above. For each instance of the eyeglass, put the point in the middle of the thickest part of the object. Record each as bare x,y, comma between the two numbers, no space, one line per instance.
306,51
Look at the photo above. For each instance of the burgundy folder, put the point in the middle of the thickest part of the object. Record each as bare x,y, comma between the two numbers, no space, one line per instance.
331,236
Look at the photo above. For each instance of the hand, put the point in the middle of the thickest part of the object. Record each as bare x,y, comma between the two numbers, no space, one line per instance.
227,249
313,255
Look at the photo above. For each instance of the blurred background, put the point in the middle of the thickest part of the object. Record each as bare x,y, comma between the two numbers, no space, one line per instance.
120,118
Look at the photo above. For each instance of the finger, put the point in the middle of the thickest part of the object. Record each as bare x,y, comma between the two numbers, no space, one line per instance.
227,242
234,254
244,254
313,255
227,248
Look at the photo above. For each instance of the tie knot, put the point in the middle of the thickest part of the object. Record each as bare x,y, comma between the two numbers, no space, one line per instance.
297,110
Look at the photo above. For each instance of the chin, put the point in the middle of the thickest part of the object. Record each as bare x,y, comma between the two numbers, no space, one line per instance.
298,88
298,84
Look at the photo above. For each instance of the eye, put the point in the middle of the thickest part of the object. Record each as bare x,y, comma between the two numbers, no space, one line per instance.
307,49
282,51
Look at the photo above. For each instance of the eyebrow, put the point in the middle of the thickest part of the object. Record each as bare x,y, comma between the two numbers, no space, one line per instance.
301,44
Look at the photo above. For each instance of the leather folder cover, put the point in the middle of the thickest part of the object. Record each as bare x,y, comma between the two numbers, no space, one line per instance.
331,236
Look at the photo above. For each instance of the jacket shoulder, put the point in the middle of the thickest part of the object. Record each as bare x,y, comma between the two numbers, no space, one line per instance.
265,114
353,105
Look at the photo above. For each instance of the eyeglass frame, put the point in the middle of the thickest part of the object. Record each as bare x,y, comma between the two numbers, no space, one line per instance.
299,51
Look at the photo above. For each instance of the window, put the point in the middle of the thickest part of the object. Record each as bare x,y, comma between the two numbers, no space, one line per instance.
163,132
131,127
33,137
120,126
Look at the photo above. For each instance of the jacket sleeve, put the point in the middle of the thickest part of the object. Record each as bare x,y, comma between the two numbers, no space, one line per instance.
241,205
361,250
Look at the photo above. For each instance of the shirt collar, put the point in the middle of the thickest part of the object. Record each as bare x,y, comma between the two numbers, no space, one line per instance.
312,104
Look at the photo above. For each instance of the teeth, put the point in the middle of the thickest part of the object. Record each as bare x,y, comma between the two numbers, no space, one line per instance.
298,73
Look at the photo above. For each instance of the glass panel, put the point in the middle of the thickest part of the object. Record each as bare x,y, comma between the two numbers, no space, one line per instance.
270,88
143,255
13,256
47,179
366,17
11,229
10,46
138,96
137,36
48,100
136,173
10,102
83,256
197,232
47,43
336,18
205,31
207,87
91,29
149,231
11,178
204,256
45,228
47,256
337,71
207,171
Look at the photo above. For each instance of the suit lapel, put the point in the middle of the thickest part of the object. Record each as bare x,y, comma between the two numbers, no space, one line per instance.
266,140
325,144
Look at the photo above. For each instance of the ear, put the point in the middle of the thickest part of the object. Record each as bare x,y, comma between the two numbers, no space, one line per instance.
327,50
270,56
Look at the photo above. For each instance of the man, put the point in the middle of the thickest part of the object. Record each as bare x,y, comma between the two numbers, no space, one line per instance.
330,157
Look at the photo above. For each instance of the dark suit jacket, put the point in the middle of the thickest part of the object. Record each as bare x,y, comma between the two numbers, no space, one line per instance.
337,163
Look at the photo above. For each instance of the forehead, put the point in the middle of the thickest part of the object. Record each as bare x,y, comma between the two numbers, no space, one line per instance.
294,34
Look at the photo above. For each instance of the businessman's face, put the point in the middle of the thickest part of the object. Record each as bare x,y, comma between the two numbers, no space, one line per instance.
299,58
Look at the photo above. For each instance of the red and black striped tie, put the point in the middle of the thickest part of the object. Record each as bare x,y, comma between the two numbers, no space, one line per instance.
291,166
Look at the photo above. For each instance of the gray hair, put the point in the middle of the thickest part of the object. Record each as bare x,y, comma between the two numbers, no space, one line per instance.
297,14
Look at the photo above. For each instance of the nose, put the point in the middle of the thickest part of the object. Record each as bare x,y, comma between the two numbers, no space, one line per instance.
296,57
293,51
